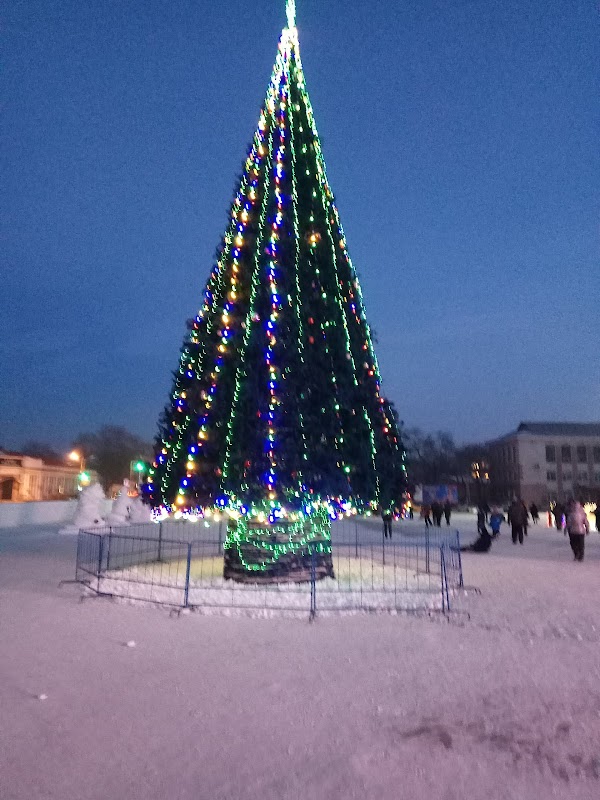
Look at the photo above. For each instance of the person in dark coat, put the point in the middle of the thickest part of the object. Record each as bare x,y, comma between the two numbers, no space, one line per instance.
436,511
597,515
518,519
558,512
482,544
535,513
386,516
425,513
447,511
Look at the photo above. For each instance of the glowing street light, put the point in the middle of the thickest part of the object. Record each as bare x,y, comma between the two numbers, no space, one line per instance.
136,472
75,455
84,478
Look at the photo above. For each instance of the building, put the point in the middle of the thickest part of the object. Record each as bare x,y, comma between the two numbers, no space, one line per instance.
24,478
546,461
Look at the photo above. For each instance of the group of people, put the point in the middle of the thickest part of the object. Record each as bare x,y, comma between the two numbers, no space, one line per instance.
437,511
572,518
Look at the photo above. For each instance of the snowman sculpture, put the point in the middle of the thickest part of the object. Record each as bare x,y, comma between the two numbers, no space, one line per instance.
119,514
89,510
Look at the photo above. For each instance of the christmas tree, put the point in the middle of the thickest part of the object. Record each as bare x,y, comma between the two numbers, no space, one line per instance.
276,416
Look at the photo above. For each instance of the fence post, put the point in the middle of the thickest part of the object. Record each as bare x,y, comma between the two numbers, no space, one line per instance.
356,540
187,575
220,535
445,593
101,542
159,558
313,583
427,550
460,572
383,545
78,559
108,548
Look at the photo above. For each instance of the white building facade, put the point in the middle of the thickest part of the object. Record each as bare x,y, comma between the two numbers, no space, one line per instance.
24,478
543,462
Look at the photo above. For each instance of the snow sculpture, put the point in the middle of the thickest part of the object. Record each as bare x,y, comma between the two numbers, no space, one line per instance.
139,512
89,510
119,514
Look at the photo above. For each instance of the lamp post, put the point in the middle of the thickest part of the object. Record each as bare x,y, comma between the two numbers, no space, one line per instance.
83,479
137,468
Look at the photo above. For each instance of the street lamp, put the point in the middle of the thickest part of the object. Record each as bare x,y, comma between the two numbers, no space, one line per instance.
138,467
75,455
83,477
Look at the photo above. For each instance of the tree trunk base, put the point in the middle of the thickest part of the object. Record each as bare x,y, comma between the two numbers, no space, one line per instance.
284,552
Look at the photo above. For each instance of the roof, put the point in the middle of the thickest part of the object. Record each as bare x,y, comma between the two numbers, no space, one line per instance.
560,428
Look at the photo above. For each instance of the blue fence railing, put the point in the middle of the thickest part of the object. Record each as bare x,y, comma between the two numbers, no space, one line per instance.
414,570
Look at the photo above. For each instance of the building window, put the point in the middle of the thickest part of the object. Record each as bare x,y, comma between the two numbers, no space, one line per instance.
596,455
550,454
581,454
582,477
597,477
551,475
566,476
565,454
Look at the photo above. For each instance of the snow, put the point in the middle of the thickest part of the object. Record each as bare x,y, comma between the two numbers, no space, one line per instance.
500,701
22,516
359,583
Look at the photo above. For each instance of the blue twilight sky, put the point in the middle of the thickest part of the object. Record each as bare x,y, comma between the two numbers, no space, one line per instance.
461,139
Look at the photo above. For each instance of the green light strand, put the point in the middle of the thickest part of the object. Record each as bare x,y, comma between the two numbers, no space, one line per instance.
250,316
329,194
296,304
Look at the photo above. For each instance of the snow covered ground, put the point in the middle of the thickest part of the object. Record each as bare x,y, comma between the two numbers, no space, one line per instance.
502,701
359,583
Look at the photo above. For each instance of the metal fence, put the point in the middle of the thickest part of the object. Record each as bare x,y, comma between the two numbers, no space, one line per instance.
181,565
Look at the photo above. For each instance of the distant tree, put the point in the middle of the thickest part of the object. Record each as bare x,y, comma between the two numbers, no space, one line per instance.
110,452
41,450
430,458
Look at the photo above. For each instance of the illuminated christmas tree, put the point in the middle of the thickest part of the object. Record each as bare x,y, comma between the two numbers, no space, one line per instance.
276,416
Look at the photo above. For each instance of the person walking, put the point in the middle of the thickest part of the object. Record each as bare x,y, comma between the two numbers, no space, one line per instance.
386,516
447,511
597,515
436,512
558,512
496,520
535,513
517,514
578,527
425,513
